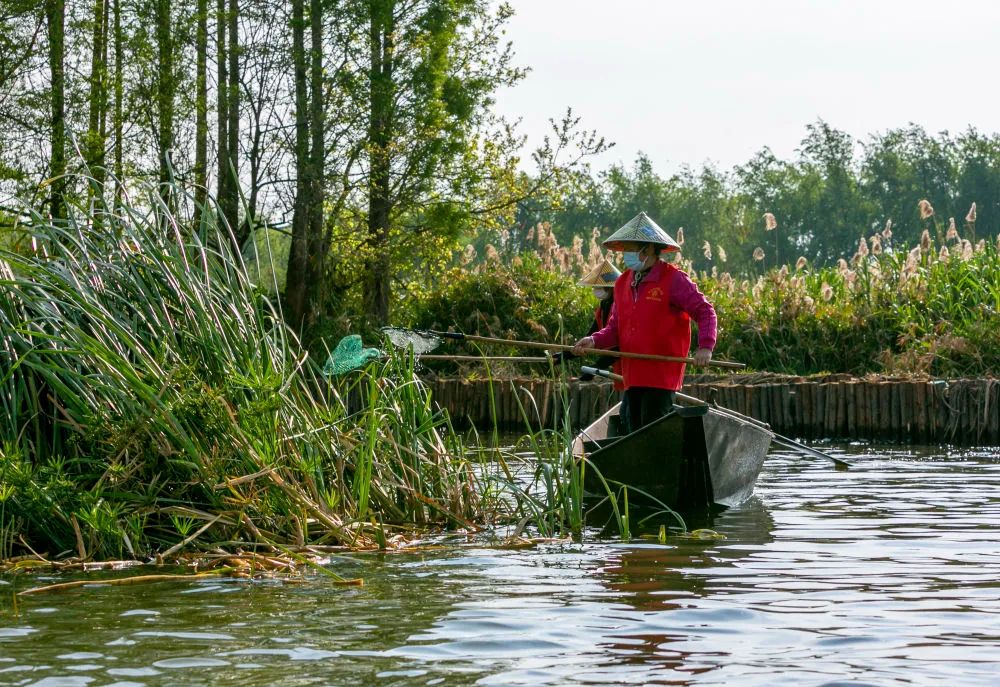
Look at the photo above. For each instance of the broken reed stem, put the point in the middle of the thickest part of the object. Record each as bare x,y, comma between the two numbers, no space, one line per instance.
138,579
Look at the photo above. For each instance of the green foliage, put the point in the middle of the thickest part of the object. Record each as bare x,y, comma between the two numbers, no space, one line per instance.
149,389
519,301
923,311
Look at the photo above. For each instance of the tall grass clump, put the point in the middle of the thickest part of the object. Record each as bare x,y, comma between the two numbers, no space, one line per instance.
149,390
550,490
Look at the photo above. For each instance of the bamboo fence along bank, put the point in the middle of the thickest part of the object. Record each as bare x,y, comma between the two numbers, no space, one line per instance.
958,411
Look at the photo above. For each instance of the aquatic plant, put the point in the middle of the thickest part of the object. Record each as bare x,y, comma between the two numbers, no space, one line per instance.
153,398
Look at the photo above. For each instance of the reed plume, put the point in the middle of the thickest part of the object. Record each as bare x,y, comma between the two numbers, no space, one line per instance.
952,233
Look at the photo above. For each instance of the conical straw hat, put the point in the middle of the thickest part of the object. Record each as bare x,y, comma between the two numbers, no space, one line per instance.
604,274
641,229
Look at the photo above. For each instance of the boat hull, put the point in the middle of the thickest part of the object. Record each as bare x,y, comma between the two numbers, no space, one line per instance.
695,458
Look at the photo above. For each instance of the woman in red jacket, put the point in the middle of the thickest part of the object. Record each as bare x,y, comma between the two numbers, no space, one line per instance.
654,303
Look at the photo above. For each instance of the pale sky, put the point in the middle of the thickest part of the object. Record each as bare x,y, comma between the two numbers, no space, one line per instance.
691,81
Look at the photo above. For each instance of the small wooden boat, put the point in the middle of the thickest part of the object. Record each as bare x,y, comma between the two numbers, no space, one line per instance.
696,457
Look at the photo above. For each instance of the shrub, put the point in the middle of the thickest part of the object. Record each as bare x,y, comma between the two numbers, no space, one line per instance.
521,301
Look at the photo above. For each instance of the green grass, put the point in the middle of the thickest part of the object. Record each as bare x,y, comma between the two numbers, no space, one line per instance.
150,389
155,402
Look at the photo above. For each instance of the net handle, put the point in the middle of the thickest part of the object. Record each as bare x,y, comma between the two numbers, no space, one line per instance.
459,336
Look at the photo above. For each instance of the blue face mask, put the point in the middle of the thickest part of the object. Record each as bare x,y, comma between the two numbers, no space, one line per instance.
632,260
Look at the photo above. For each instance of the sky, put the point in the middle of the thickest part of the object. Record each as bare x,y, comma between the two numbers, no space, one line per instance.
690,82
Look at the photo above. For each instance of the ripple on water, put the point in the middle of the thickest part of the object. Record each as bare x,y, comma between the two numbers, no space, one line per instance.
201,636
190,662
146,671
14,632
298,653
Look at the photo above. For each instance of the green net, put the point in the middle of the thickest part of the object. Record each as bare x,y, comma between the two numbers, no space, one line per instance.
348,355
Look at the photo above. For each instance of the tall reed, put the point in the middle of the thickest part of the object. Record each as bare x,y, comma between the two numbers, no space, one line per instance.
147,383
931,309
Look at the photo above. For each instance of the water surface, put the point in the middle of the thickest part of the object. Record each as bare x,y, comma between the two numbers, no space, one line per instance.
886,574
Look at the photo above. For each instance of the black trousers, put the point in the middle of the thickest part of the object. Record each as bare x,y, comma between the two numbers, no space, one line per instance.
644,404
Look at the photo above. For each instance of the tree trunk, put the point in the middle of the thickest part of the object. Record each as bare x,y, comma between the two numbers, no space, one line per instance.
317,248
103,124
296,284
165,93
232,206
254,163
55,11
118,123
380,202
201,111
95,146
221,108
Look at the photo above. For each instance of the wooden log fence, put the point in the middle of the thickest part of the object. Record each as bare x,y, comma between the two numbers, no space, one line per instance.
956,411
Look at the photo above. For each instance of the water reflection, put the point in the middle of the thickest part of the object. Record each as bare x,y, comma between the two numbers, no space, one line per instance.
659,576
884,574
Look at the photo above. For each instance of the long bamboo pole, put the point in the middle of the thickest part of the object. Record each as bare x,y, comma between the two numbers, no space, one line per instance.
459,336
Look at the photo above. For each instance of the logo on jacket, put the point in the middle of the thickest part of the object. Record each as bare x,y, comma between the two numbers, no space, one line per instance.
654,294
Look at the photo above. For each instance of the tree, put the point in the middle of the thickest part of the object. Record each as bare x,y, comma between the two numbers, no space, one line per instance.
230,203
226,188
309,245
979,181
900,168
95,147
118,117
201,106
432,67
839,216
166,85
268,100
22,28
404,155
55,11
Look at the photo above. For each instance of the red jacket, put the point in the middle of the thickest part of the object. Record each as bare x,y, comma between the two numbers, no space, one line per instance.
648,320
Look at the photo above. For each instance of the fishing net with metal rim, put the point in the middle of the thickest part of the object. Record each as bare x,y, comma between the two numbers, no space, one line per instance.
420,342
348,355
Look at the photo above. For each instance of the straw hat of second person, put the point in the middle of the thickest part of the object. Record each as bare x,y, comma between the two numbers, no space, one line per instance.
604,275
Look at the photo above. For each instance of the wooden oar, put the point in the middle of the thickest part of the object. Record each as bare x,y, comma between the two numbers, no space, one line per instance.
472,358
778,439
429,336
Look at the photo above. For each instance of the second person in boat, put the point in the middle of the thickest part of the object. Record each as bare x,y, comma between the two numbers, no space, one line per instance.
654,303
